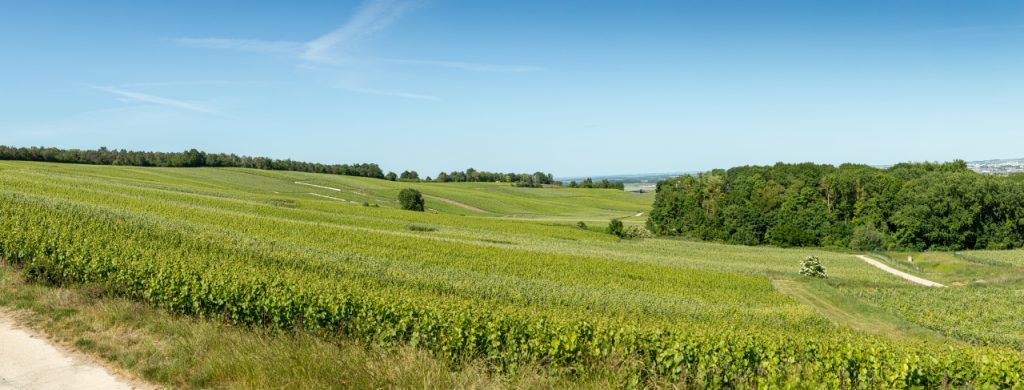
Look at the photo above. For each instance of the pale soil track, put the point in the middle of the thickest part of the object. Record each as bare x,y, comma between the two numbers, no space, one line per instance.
318,186
31,362
331,188
332,198
904,275
454,203
434,197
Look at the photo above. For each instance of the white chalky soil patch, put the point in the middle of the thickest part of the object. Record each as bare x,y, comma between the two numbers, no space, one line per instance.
29,362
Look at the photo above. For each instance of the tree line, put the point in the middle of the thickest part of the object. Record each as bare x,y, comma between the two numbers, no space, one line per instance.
189,158
604,183
910,205
536,179
196,158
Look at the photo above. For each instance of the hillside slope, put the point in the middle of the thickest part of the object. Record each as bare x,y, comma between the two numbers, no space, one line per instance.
511,287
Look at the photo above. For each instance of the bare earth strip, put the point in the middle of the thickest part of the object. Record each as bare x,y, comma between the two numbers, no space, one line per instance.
904,275
319,186
332,198
331,188
28,362
455,203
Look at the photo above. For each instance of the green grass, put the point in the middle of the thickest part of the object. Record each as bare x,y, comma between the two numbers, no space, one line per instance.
512,257
848,311
1009,257
980,305
180,352
489,199
956,269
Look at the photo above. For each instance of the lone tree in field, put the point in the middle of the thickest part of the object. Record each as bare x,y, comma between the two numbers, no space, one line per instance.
410,199
811,266
615,228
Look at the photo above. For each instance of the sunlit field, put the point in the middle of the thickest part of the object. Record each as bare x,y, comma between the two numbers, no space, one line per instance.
503,278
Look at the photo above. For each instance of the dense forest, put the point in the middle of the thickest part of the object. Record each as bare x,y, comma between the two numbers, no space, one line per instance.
536,179
604,183
196,158
910,205
190,158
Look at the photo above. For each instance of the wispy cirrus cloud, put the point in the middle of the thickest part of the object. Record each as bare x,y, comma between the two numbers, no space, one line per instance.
153,99
338,49
338,45
179,83
373,16
331,48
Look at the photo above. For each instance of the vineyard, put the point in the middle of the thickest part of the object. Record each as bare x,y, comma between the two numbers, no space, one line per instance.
509,281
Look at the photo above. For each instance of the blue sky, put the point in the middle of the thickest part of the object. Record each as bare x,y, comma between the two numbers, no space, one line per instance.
569,87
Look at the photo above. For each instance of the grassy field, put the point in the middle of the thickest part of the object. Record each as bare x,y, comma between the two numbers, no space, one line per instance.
493,286
983,305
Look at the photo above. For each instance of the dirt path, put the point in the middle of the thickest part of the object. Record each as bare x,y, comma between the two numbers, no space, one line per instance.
851,312
319,186
904,275
331,188
332,198
29,362
454,203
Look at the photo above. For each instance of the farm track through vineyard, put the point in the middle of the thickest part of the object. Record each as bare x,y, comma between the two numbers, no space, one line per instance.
900,274
454,202
510,293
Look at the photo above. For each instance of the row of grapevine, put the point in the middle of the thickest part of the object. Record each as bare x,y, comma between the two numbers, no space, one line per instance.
189,270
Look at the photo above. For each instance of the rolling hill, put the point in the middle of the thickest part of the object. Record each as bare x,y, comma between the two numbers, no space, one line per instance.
493,279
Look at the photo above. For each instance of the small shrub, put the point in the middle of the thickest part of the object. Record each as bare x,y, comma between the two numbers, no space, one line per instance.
411,199
581,225
421,228
635,232
615,228
811,266
866,238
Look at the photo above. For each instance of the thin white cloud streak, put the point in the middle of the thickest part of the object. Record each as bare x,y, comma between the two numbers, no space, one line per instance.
154,99
251,45
193,83
470,66
333,47
372,17
330,48
401,94
336,47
